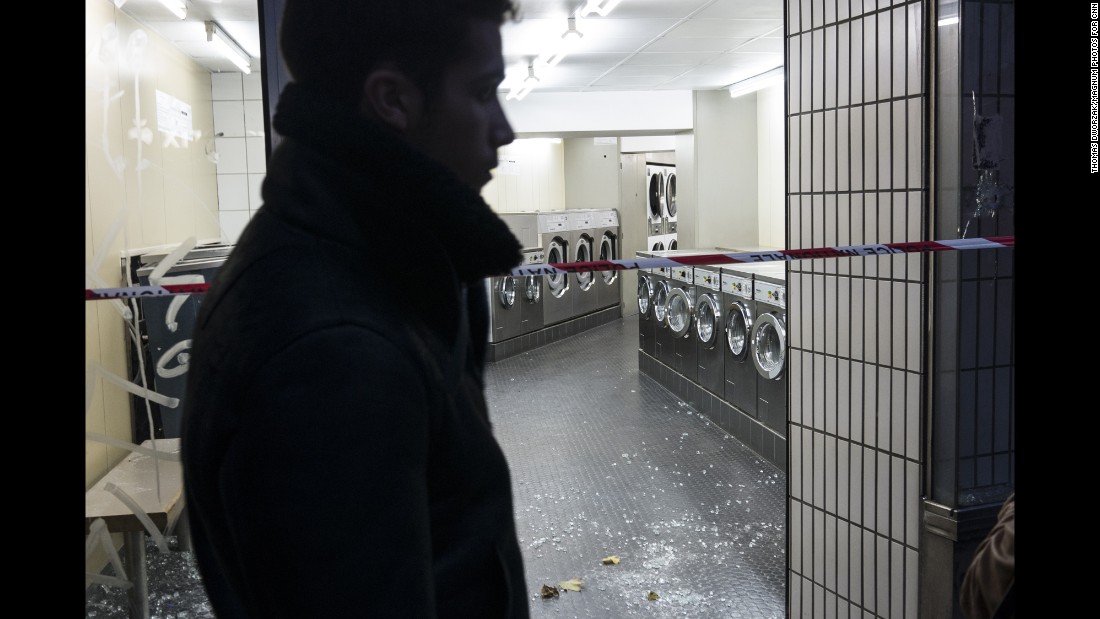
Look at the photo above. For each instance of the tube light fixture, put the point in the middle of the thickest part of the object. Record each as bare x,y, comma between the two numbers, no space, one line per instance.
228,47
600,7
569,38
178,7
757,82
528,83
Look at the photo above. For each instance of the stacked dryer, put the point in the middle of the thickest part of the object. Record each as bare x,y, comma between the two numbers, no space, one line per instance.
670,200
668,237
655,206
582,240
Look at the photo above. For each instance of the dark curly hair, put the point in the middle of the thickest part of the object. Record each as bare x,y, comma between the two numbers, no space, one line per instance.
331,45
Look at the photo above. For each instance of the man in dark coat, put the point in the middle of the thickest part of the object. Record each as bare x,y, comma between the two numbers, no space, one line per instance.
338,455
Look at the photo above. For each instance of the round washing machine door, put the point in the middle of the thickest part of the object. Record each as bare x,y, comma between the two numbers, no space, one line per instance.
657,246
738,329
532,289
656,194
585,279
645,296
670,194
672,244
680,312
506,291
660,303
558,283
708,321
607,252
769,345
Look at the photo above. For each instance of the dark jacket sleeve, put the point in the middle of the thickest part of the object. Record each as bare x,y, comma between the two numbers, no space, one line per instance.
326,496
992,572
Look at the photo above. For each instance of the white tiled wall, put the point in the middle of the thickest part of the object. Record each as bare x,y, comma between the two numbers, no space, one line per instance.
855,140
240,145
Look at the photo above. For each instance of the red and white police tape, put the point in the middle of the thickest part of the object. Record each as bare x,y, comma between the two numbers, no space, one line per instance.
846,251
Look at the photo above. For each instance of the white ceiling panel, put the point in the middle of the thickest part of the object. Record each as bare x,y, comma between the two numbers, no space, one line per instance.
695,44
641,45
681,59
741,9
745,28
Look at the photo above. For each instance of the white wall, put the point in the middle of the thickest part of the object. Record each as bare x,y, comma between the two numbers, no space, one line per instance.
606,113
530,176
647,143
240,147
725,171
591,173
771,170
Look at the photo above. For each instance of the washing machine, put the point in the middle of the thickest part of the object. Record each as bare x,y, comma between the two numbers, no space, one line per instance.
656,243
582,237
557,300
647,320
670,200
608,247
655,196
739,313
504,312
670,243
769,346
681,319
530,293
662,290
708,329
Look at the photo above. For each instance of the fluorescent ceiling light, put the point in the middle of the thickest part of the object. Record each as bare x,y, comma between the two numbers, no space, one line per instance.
569,38
228,47
528,83
756,82
600,7
178,7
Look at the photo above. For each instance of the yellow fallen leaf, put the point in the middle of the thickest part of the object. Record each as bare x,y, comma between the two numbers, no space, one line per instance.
572,585
548,592
652,596
612,560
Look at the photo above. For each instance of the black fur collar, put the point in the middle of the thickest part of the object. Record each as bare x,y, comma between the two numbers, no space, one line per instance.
423,194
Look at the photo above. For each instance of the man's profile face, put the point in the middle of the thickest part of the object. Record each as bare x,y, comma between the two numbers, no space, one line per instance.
465,125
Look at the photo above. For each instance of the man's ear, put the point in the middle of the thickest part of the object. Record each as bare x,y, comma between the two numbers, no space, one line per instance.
391,97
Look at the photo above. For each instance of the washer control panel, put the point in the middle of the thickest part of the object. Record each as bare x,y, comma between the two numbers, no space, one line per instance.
707,279
772,294
737,286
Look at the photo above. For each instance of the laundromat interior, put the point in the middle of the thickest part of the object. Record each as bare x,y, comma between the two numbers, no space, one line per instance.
850,471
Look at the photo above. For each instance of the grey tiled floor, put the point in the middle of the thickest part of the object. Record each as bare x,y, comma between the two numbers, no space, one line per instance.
605,461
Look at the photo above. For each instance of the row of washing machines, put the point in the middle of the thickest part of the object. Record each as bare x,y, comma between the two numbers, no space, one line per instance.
661,206
724,327
523,304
